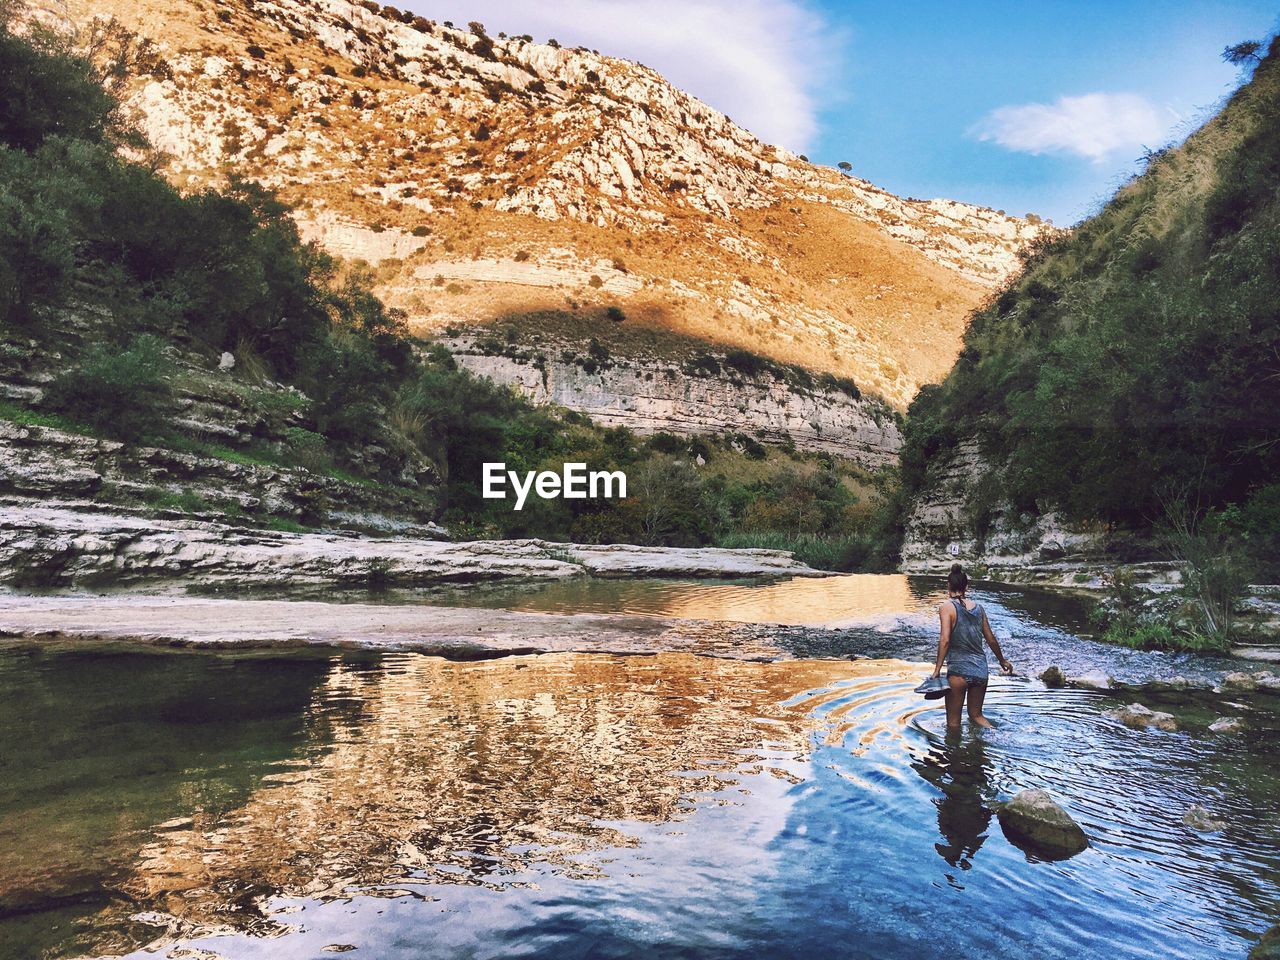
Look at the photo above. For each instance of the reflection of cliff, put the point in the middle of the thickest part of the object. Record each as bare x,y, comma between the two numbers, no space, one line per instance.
97,747
799,601
432,771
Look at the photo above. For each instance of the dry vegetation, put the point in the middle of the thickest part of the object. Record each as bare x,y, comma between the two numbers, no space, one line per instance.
489,176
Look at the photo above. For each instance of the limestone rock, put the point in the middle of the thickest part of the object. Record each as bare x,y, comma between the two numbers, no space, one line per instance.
572,137
1137,717
461,633
227,361
648,395
1227,725
1267,682
1239,682
75,547
1053,677
1092,681
1033,822
1199,819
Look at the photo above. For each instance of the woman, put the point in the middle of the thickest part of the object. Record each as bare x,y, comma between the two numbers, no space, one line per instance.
964,627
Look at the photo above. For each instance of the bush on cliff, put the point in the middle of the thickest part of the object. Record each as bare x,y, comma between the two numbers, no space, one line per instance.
1140,353
123,394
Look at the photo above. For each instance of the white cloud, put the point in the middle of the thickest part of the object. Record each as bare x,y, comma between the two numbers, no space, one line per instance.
761,62
1093,125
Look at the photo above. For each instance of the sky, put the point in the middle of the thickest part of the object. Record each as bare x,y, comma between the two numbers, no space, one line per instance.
1040,107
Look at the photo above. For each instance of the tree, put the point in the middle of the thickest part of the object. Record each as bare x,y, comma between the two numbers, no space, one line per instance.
845,166
1241,53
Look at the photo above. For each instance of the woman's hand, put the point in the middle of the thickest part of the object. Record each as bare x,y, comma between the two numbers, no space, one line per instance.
1006,666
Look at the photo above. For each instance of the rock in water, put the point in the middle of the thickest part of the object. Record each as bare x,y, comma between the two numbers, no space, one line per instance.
1137,717
1239,683
1053,677
1034,823
1201,820
1268,948
1226,725
1093,681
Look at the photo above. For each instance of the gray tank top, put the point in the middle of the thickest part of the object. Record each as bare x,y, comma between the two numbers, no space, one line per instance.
966,653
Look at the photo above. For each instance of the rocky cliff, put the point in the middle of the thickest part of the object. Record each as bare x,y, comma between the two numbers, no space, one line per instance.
960,516
706,395
489,175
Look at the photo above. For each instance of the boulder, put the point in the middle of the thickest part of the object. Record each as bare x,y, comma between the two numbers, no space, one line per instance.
1267,682
1226,725
1268,948
1200,820
1034,823
1092,681
1137,717
1239,682
1053,677
1172,685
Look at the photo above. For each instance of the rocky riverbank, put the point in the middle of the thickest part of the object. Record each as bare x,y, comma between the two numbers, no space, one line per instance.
456,633
56,546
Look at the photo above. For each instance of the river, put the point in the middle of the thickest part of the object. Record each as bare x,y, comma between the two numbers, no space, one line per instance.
299,804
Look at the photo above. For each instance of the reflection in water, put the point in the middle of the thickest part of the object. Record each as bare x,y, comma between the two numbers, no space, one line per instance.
960,769
574,806
798,601
435,772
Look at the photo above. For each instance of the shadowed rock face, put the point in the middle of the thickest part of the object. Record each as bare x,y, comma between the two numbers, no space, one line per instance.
1035,823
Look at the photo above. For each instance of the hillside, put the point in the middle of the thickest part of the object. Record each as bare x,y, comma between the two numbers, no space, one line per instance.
489,177
1130,374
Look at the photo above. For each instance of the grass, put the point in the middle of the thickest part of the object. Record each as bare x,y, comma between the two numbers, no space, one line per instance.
1158,636
841,553
185,501
15,413
285,525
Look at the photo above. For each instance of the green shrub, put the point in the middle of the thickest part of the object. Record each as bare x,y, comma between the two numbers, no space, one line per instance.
308,450
122,393
1159,636
1137,352
48,91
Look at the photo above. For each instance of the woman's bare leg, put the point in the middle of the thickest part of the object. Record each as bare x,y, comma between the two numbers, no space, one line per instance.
977,694
955,701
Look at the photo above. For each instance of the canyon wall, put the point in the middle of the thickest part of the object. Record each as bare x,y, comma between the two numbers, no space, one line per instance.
651,394
960,517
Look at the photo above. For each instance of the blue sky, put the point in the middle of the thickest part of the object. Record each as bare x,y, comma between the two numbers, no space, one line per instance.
1027,107
920,79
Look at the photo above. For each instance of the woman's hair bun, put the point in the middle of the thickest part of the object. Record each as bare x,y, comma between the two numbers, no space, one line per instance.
957,580
956,568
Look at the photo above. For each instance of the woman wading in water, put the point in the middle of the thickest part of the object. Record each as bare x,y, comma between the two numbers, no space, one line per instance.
964,628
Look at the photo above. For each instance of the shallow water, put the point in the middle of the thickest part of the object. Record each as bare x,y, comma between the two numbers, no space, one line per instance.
795,601
596,806
846,616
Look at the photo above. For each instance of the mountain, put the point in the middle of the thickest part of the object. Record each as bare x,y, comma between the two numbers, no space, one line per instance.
1130,376
492,178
